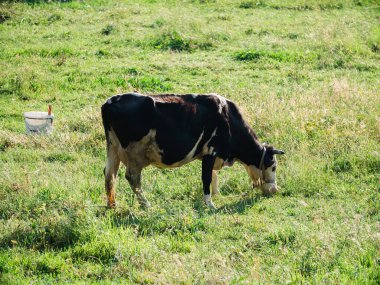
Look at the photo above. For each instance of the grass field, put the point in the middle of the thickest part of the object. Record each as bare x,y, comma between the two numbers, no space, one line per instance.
306,75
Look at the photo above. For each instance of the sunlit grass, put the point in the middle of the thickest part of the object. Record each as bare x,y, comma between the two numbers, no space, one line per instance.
306,76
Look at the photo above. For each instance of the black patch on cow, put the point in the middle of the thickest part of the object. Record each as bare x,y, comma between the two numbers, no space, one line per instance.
131,117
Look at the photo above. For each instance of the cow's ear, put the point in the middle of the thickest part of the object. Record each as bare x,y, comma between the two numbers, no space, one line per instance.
277,151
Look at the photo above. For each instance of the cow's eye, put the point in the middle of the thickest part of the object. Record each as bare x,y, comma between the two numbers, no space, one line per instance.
273,168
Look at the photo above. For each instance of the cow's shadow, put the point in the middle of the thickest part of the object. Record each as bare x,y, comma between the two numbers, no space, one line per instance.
148,222
240,206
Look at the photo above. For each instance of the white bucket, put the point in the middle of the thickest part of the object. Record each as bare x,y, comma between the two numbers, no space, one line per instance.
38,122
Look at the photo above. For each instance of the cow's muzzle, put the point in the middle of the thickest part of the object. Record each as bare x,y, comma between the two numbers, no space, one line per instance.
269,188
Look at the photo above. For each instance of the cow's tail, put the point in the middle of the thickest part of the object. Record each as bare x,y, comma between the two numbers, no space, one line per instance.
106,124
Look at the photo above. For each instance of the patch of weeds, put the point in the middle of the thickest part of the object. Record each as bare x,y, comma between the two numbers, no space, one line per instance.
132,71
365,67
107,30
194,71
12,86
330,6
60,61
50,266
263,33
59,157
34,83
54,18
178,246
5,143
305,7
282,237
79,126
172,41
158,23
218,36
374,40
16,86
57,52
254,55
102,53
342,165
205,45
50,230
160,223
203,1
149,83
3,264
296,76
252,4
365,2
316,128
249,32
177,42
4,15
224,17
247,55
357,165
309,264
97,251
339,63
370,163
293,36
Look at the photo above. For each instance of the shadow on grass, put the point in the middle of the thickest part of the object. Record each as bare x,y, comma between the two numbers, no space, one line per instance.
150,222
241,205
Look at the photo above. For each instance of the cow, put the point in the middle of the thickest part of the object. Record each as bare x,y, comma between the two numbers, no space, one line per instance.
169,130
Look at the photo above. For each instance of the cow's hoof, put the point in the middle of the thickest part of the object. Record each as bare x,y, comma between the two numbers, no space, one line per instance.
145,205
111,205
211,206
209,202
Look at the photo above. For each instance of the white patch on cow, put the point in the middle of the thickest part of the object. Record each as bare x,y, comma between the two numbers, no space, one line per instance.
209,202
146,151
268,186
270,175
255,174
111,99
222,102
206,149
190,155
143,152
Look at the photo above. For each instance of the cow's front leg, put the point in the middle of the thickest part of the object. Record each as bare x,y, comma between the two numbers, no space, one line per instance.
133,175
214,183
207,166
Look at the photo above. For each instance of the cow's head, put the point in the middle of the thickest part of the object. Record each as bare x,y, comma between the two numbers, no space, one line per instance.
265,175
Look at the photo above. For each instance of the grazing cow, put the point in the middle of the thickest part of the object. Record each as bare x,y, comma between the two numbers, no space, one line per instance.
172,130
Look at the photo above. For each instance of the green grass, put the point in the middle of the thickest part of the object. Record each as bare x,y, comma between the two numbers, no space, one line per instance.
306,75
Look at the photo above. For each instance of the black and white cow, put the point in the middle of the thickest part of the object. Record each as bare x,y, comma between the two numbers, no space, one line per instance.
172,130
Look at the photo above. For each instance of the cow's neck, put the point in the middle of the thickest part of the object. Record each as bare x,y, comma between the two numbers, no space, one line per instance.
245,145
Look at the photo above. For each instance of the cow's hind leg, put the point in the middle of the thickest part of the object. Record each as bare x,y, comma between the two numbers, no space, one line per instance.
133,175
214,183
110,173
